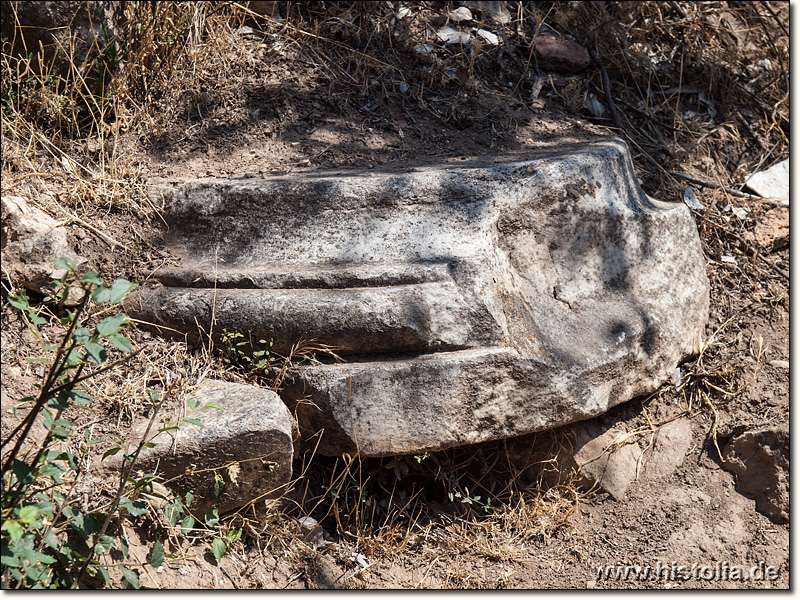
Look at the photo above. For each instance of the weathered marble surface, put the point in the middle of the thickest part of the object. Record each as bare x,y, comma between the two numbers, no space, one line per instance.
247,442
470,302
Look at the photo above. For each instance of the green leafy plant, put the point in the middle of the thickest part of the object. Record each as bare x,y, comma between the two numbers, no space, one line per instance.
258,360
48,539
254,357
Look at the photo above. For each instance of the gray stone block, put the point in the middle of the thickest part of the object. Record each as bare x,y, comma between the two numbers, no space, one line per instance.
247,442
471,302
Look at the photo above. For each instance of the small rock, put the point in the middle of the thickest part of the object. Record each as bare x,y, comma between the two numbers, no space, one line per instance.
781,364
488,37
248,443
448,35
690,198
311,532
561,54
669,449
611,469
462,13
772,183
31,239
760,461
772,230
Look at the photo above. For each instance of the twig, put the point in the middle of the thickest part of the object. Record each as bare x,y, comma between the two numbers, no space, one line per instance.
106,238
752,131
678,8
430,566
607,88
704,183
655,120
774,16
17,180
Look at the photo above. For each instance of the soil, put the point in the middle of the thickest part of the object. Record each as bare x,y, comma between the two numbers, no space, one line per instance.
293,111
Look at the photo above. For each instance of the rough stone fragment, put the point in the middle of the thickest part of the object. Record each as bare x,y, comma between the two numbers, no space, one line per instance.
470,303
772,183
448,35
604,459
671,444
760,461
561,54
596,457
248,443
462,13
31,239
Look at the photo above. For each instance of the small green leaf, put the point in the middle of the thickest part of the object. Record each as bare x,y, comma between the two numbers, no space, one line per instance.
187,524
71,459
189,497
104,544
218,547
125,547
120,342
156,555
130,577
118,290
60,402
194,421
173,511
53,471
14,529
211,518
83,525
111,325
23,472
65,263
80,398
219,485
104,572
101,293
96,352
234,535
59,428
92,277
212,405
56,544
137,508
8,558
36,319
29,514
20,301
82,335
74,357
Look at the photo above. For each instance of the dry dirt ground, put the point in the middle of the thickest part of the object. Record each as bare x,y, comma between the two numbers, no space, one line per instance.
332,87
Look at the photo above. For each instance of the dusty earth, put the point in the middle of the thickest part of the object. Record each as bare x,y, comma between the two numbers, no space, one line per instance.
280,104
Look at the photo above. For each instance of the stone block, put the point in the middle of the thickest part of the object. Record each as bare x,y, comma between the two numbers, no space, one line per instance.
470,302
247,442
